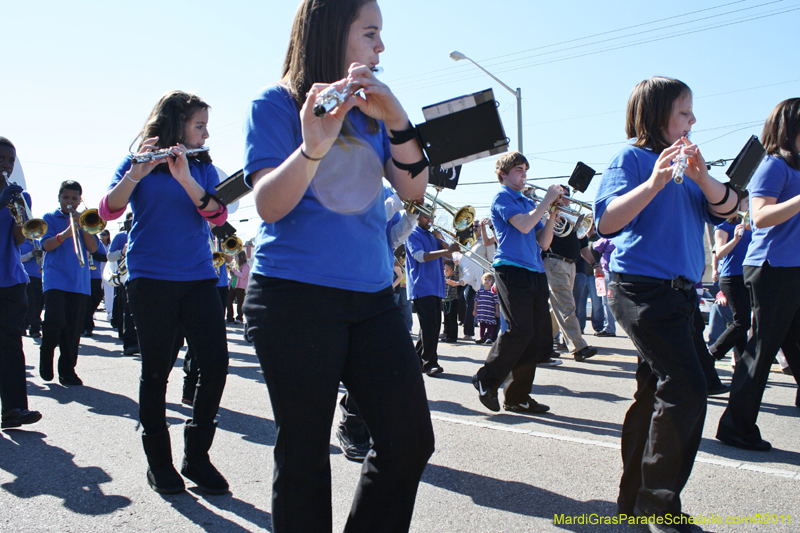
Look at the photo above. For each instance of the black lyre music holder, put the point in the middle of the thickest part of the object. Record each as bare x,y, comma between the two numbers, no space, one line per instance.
745,164
233,188
229,191
581,177
460,130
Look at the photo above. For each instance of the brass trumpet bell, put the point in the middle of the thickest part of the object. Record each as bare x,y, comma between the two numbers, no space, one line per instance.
90,222
232,245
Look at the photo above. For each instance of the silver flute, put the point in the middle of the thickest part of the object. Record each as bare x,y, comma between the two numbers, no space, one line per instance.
162,154
330,98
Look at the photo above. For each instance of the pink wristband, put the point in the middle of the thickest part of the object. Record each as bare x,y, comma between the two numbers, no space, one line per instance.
217,217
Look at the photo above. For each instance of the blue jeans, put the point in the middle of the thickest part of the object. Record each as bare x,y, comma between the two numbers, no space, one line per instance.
598,315
609,325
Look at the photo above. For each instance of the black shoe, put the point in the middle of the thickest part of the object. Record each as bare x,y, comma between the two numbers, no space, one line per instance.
480,341
46,367
530,406
187,401
585,353
787,370
560,346
131,350
738,442
716,391
161,474
355,449
487,397
86,333
604,333
196,464
549,362
434,370
35,334
70,380
674,527
14,418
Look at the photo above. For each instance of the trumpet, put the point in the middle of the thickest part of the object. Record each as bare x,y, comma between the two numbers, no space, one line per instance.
466,249
331,98
162,154
568,219
217,257
76,237
745,222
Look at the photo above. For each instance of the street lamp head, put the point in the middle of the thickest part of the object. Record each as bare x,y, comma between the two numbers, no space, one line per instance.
457,56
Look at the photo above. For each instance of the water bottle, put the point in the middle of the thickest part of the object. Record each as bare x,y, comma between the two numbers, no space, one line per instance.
600,283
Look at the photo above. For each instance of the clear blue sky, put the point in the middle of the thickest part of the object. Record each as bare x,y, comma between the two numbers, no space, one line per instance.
81,77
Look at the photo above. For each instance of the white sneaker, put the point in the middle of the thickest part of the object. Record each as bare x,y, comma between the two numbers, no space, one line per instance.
468,337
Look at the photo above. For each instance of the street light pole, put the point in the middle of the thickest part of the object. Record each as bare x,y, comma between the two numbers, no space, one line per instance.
457,56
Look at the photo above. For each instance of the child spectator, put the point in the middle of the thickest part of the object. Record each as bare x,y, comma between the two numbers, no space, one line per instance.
450,302
487,309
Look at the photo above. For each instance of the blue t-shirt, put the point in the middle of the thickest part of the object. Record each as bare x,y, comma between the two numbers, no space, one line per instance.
118,242
61,269
97,273
425,278
731,264
778,244
31,266
665,240
514,247
11,271
322,227
168,238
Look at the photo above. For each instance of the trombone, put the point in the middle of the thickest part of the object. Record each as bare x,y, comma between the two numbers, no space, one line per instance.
76,237
462,218
568,219
32,228
91,223
466,249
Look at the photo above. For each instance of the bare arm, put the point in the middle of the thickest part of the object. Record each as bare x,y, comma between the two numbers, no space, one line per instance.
767,212
723,246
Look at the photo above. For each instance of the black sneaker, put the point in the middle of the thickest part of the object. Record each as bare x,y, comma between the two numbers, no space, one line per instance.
530,406
487,397
604,333
434,370
14,418
35,334
355,449
131,350
70,380
549,362
716,391
585,353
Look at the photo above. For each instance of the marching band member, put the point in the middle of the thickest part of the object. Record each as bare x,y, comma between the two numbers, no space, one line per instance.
317,186
13,386
772,274
654,269
165,294
522,289
732,239
66,285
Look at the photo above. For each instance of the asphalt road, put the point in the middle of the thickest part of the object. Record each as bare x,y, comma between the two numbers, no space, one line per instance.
82,468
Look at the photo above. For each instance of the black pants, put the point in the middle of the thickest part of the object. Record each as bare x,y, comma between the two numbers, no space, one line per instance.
450,308
776,316
361,340
469,320
735,336
191,373
238,295
94,302
35,304
664,425
707,363
160,308
63,320
523,299
123,318
429,315
13,393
